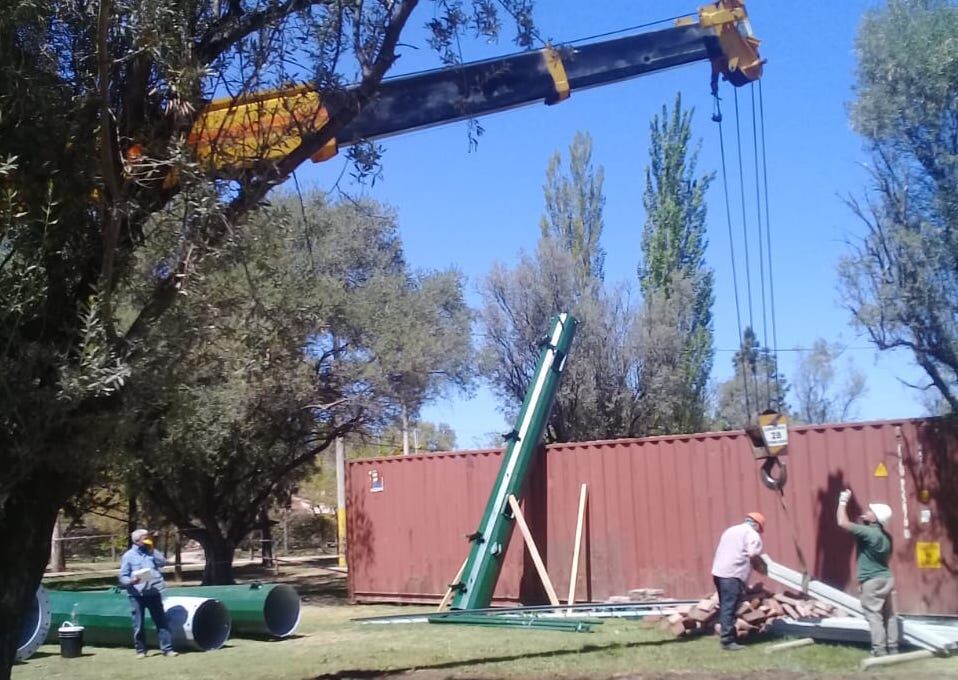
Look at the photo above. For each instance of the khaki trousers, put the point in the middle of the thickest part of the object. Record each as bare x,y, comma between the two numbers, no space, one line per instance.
876,597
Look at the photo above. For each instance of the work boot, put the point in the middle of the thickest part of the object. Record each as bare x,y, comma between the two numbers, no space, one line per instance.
733,647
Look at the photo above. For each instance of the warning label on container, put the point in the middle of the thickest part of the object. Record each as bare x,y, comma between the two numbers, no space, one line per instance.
928,554
881,470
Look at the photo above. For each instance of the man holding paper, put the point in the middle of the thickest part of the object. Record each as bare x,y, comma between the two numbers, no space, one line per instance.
140,574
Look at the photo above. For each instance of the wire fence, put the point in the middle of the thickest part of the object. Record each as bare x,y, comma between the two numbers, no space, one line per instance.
292,534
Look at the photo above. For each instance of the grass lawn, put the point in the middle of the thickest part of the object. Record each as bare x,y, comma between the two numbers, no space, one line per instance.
330,645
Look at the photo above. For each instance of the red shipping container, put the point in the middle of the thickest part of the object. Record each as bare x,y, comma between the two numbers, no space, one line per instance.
656,509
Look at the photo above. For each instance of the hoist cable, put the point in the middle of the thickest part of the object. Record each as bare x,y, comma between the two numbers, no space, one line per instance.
761,248
717,117
768,242
630,29
748,267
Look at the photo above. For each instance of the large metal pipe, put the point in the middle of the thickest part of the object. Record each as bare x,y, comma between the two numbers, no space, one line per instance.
196,622
258,609
34,626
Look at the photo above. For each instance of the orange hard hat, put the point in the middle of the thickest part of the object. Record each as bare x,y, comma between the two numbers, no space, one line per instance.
758,518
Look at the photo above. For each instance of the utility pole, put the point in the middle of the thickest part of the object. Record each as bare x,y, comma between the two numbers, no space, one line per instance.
341,499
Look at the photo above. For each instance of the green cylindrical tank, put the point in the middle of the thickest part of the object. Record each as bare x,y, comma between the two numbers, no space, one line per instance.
257,609
198,623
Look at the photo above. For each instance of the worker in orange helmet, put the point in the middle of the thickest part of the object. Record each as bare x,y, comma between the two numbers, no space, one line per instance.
739,551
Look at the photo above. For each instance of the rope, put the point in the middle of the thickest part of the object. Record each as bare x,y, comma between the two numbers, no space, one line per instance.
761,247
748,267
717,117
798,547
768,242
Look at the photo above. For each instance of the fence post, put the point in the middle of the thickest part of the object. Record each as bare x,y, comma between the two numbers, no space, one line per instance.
341,500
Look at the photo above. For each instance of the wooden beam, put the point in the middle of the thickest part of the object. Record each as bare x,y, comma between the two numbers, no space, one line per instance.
895,659
791,644
448,596
533,551
583,494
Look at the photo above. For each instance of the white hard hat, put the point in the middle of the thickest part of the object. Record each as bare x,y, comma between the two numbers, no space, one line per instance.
882,512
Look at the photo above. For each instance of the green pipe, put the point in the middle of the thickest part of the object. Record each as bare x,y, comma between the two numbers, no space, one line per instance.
258,609
198,623
489,542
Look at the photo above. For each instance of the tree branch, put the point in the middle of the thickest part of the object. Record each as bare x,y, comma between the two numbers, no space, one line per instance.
342,110
236,25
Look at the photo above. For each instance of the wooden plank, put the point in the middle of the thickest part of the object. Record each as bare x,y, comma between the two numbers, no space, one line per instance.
533,551
448,596
583,494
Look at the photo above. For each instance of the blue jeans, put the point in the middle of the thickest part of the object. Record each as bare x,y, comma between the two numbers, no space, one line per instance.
730,594
138,608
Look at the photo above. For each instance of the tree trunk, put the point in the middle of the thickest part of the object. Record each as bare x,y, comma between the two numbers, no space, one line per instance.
405,431
58,560
27,517
130,518
178,557
218,551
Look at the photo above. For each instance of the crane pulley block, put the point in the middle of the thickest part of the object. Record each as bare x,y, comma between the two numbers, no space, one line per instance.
770,436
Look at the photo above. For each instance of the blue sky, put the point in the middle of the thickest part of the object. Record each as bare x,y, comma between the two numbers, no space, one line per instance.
471,209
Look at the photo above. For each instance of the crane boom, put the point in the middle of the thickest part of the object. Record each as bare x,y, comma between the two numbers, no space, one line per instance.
237,132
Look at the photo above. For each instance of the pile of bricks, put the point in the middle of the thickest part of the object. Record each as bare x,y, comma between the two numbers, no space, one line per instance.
638,595
758,609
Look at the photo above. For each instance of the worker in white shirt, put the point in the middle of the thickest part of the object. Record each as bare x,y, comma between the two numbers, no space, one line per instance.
739,551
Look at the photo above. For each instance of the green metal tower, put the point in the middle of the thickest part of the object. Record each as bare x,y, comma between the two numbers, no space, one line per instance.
489,542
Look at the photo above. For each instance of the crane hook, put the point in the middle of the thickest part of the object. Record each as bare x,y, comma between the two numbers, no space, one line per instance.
775,483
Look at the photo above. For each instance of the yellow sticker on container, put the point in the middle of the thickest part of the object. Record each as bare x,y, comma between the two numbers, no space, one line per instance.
881,470
928,554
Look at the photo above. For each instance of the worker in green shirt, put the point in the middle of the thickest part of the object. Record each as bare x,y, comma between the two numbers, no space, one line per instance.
875,581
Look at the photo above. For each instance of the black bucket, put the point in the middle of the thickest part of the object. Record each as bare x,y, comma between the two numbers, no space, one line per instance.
71,640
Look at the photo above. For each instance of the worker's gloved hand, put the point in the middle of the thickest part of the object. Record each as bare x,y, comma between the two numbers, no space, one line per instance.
844,497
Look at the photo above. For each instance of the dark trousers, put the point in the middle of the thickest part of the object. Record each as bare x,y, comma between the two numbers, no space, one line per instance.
138,608
730,594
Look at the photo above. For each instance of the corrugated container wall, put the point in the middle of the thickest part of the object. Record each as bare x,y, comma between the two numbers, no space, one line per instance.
656,508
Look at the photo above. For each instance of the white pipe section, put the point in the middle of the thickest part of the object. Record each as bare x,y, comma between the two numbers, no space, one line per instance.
197,622
34,626
913,632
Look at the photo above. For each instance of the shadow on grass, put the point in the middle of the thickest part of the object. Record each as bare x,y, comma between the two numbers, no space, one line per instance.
362,673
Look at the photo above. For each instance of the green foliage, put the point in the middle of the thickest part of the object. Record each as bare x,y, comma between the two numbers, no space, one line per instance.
96,104
900,281
574,204
822,394
287,344
597,394
755,386
673,274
